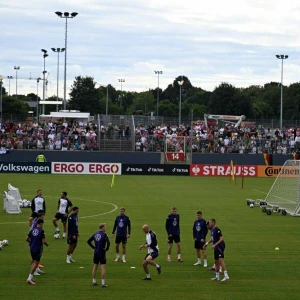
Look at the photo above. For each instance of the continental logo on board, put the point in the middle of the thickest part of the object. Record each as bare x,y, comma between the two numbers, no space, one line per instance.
273,171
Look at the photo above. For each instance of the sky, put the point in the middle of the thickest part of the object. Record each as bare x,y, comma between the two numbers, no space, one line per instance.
210,42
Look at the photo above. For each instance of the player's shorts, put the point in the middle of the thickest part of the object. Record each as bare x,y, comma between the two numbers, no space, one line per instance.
154,254
100,259
34,215
121,239
72,241
199,245
36,255
218,254
174,238
61,217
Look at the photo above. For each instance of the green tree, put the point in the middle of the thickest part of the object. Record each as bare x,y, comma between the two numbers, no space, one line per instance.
84,96
143,103
172,92
222,99
167,109
14,106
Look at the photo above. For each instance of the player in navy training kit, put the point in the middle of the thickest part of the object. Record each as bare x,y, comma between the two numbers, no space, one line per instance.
37,203
219,248
73,233
64,207
151,244
199,235
101,246
40,216
123,226
173,230
36,239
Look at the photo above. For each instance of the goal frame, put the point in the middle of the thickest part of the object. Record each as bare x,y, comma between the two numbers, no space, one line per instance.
282,205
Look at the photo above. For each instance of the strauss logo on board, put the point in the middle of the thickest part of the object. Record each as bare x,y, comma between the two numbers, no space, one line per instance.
195,170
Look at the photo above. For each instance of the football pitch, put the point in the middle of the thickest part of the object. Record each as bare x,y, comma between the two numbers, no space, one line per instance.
256,270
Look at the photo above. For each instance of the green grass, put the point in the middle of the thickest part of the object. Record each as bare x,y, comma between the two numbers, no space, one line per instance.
256,270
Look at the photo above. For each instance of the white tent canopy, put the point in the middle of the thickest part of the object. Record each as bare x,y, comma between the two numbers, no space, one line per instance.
68,114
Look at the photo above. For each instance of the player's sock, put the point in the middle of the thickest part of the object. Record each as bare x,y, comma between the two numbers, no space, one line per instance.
225,274
148,275
205,263
103,281
29,277
123,257
94,280
64,235
169,256
218,275
179,256
220,269
117,255
199,260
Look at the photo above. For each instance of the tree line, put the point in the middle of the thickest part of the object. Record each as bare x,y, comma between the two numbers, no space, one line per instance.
256,102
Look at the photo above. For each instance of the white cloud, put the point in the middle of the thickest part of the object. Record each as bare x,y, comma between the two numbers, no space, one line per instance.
207,41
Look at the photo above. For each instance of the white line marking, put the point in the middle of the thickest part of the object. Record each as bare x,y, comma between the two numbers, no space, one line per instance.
260,191
115,207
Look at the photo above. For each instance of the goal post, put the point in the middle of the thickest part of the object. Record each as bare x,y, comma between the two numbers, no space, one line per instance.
285,191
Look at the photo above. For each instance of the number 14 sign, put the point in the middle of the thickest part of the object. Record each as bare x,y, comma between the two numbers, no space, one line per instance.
175,156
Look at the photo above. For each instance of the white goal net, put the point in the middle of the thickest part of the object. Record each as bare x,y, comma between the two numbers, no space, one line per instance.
14,192
11,205
285,191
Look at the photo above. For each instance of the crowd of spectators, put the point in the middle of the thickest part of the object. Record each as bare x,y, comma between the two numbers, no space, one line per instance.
217,139
64,135
59,135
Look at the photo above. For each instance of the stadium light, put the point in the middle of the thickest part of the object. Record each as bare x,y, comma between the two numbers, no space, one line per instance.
121,80
282,57
1,80
9,78
66,15
44,79
157,98
17,68
179,113
58,50
37,98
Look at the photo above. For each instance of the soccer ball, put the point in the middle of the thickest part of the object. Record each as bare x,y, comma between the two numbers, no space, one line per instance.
56,235
5,242
251,205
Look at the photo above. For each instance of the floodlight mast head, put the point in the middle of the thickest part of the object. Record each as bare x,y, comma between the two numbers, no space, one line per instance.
66,14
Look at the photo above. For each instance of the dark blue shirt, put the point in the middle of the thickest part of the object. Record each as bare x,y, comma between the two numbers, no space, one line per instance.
215,235
101,243
172,224
199,230
34,223
122,223
72,225
36,236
